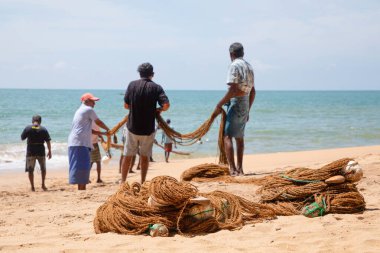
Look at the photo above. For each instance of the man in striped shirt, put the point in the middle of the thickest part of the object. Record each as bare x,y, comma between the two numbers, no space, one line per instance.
239,98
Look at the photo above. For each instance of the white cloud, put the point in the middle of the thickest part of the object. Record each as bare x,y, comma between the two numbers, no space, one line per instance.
59,65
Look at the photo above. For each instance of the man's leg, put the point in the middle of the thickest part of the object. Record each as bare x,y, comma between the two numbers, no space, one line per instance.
99,170
43,176
240,152
42,163
89,181
230,154
125,168
144,167
31,180
145,152
132,164
138,164
120,162
30,163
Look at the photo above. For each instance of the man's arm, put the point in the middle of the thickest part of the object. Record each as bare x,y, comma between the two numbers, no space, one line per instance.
49,149
24,135
102,125
232,92
252,96
163,108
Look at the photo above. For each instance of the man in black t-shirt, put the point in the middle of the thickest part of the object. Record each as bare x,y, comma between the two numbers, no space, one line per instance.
37,135
141,100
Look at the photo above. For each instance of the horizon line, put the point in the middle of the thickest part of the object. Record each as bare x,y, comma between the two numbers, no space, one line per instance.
83,89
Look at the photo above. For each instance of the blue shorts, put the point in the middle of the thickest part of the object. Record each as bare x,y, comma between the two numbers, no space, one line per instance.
79,161
237,116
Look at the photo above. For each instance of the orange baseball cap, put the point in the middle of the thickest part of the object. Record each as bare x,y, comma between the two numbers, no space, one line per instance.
88,96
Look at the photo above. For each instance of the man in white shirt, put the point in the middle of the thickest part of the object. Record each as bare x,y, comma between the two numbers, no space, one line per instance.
79,142
239,97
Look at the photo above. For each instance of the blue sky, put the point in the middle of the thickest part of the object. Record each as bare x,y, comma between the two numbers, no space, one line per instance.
93,44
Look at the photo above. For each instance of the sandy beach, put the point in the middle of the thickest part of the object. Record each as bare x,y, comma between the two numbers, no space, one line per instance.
61,219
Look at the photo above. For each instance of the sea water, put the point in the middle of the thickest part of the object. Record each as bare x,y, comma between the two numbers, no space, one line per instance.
279,120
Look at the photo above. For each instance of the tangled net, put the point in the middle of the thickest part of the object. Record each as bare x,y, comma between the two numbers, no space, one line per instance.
128,211
164,200
289,192
193,137
181,139
205,171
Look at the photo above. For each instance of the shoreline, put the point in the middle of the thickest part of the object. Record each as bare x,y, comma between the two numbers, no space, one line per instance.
330,152
60,220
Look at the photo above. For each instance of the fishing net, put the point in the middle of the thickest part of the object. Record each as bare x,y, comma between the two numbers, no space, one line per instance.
128,210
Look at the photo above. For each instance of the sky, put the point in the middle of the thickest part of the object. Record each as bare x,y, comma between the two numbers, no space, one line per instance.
98,44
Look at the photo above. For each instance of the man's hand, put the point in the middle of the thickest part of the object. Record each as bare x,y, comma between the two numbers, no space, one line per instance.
159,110
48,154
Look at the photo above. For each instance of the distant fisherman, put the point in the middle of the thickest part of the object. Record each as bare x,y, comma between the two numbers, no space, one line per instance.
239,98
37,135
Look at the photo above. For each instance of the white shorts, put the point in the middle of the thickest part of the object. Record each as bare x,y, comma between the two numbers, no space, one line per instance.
138,144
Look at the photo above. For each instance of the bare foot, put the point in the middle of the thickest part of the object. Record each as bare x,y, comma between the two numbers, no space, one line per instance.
99,181
138,168
131,171
44,188
33,189
234,173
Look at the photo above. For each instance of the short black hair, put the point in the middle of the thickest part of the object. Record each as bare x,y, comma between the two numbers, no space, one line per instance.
145,69
237,49
36,118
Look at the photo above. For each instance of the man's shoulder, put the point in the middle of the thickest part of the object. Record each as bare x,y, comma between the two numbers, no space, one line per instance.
27,128
241,63
85,108
153,84
43,128
134,82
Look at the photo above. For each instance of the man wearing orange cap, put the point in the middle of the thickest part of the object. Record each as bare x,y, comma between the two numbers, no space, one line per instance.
80,143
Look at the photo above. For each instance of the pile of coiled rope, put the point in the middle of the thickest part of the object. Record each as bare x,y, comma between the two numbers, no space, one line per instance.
289,192
128,211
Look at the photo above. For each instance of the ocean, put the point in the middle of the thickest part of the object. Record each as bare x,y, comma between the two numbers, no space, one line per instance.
279,120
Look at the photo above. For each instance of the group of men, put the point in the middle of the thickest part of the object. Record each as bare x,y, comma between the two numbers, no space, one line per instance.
141,99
